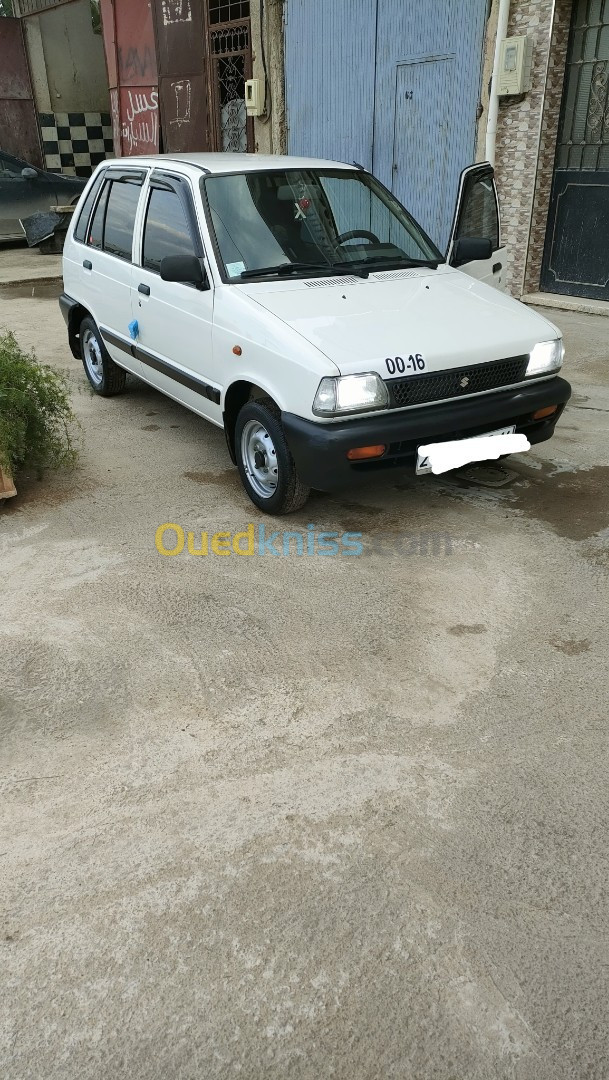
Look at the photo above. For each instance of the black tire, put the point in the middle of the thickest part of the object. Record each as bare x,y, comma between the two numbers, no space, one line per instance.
290,493
111,378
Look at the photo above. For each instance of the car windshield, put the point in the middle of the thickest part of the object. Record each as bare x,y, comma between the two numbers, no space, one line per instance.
301,221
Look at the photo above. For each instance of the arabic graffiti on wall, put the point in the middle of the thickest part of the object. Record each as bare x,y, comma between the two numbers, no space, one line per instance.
139,120
176,11
182,91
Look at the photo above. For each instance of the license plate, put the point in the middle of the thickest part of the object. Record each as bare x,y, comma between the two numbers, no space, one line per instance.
424,464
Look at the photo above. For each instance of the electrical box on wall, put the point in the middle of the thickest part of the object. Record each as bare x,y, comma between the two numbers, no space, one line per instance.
254,97
515,66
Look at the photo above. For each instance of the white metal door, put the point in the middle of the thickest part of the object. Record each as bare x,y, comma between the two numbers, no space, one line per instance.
107,262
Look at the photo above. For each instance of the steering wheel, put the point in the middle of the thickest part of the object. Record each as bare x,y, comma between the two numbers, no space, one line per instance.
342,239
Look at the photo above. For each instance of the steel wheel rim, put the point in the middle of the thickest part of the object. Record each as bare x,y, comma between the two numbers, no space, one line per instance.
92,357
259,459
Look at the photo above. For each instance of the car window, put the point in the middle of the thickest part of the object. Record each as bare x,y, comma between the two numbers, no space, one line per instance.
96,229
111,227
80,232
166,231
479,214
120,219
10,168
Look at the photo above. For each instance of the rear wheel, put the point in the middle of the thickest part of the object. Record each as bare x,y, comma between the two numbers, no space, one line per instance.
106,377
265,464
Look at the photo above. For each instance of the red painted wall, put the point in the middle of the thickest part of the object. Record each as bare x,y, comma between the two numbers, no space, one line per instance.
132,73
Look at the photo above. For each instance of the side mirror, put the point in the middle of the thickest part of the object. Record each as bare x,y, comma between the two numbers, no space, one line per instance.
29,173
184,268
471,249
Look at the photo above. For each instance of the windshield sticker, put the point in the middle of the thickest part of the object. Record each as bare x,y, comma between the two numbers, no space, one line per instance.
234,269
412,363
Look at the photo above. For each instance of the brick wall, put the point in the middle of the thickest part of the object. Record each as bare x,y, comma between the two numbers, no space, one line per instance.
526,138
547,145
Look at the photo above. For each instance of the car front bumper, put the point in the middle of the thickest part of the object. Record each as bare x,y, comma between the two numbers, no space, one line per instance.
320,450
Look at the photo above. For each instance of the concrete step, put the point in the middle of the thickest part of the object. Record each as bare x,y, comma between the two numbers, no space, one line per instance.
567,303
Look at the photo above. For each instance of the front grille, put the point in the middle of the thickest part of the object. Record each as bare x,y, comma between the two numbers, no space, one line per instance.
459,382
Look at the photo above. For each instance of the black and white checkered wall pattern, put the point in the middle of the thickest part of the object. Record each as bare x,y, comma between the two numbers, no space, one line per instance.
74,143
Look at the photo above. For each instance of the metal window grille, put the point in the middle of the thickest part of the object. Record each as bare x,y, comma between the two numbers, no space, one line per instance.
223,11
584,135
230,56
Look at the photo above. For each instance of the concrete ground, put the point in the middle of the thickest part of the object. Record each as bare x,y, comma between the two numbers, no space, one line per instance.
24,269
305,817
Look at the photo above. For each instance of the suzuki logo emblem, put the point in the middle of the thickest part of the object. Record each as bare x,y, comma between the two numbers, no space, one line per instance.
464,382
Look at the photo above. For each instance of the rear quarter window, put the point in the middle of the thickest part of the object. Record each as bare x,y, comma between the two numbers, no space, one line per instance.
80,232
95,235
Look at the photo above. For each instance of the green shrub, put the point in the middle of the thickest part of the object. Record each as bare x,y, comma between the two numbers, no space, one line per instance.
36,418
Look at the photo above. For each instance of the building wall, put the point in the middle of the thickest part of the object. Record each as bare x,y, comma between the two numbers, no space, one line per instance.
526,138
131,59
270,131
74,59
547,145
70,87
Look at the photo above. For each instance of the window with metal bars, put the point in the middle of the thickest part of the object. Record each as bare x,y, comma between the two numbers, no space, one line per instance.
229,48
584,133
223,11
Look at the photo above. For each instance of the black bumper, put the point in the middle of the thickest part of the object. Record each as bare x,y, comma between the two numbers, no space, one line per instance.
70,310
320,450
67,305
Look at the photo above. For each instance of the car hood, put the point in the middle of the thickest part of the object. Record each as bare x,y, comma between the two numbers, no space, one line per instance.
445,316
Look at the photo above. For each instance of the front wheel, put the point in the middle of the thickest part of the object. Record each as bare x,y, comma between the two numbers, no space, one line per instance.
265,464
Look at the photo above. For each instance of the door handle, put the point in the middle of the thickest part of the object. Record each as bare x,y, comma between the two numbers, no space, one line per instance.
144,289
87,264
497,267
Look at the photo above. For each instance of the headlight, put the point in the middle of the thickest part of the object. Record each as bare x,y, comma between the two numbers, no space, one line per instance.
350,393
546,357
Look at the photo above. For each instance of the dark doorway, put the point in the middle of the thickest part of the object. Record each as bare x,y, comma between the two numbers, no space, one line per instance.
576,254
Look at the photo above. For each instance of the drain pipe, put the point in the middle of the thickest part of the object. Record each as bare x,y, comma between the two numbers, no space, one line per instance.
493,105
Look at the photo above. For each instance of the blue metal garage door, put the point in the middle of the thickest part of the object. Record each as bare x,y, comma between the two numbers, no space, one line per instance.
393,84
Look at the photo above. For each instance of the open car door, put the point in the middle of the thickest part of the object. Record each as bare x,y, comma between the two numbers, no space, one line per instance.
477,218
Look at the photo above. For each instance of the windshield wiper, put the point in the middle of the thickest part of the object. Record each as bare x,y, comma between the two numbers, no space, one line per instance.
292,268
379,262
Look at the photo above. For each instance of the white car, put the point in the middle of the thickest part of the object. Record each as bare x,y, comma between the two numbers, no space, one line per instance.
297,304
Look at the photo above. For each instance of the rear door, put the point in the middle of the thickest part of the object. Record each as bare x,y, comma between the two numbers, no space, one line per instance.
175,320
107,260
477,215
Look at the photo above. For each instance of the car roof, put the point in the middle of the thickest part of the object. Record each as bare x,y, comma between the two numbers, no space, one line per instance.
228,163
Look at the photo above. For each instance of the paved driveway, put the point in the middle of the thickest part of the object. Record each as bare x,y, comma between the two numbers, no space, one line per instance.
304,816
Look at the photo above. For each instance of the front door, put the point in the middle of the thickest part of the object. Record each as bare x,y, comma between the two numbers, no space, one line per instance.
175,320
576,254
477,216
20,195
